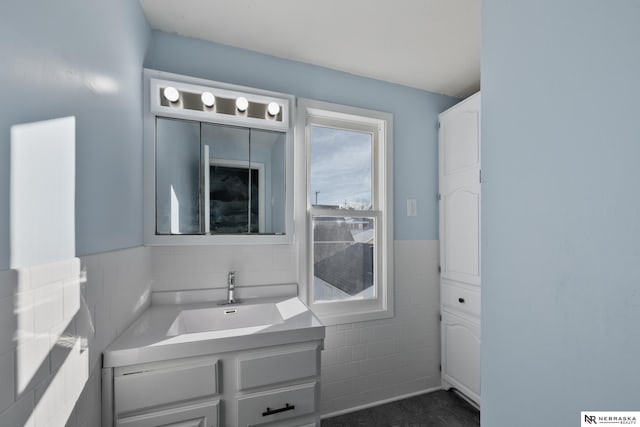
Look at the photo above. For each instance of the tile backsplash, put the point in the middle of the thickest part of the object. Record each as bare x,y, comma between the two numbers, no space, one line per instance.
55,321
200,267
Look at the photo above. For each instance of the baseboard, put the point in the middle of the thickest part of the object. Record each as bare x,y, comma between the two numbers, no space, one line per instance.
379,402
466,398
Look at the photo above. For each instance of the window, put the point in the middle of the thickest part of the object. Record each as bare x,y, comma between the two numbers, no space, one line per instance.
348,155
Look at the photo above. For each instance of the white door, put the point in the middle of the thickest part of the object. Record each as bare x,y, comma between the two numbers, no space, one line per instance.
459,148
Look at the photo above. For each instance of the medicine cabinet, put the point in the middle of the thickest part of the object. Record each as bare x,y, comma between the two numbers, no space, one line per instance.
218,163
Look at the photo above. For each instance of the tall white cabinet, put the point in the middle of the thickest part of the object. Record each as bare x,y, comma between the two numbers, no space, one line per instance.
459,195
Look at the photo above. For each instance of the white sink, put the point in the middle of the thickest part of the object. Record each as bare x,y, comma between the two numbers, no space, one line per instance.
249,317
193,329
225,317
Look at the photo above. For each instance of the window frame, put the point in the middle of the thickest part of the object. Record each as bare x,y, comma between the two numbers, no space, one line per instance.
380,125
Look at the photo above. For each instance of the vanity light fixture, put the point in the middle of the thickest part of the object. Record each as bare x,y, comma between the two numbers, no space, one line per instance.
171,93
220,101
208,99
242,104
273,108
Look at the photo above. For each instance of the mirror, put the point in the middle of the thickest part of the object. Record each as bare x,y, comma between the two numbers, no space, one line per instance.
219,179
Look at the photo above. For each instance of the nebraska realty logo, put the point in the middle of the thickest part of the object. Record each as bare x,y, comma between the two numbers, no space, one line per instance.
593,418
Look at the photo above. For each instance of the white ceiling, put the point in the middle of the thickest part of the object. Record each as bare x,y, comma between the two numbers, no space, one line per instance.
426,44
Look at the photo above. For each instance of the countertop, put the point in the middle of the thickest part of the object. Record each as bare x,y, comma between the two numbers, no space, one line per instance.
150,337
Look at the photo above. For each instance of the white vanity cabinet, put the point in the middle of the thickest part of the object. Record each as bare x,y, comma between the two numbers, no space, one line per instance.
276,385
197,363
459,195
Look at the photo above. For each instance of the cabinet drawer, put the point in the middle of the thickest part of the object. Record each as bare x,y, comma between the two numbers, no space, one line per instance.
204,414
275,367
140,390
276,405
460,299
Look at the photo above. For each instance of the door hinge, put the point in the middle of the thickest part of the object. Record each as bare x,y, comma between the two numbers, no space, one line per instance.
440,367
439,196
480,176
439,125
439,269
440,317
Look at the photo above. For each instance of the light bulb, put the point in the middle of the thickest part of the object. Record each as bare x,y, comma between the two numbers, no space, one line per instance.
242,104
208,99
171,93
273,108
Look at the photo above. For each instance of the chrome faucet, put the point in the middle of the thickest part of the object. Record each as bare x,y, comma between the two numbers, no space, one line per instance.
231,287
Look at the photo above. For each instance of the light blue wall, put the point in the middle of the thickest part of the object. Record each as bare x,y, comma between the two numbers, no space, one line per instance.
415,111
83,59
561,210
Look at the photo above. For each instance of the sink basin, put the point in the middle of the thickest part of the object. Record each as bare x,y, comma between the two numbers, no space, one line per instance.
174,331
227,317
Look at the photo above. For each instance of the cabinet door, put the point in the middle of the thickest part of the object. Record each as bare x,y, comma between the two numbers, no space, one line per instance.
192,380
461,354
204,414
268,368
459,181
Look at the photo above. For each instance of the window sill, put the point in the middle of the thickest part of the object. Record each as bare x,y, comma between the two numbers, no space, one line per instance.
331,319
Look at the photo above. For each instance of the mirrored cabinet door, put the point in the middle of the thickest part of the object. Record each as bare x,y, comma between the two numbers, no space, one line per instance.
267,163
178,205
219,179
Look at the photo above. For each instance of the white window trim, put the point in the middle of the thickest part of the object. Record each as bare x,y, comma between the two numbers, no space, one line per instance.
352,118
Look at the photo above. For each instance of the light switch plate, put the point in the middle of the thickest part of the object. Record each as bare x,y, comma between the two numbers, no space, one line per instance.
412,207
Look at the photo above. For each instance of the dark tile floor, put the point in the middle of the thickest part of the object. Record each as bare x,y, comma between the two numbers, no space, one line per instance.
437,409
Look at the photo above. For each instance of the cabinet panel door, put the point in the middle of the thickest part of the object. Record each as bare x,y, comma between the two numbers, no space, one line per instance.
461,354
204,414
459,181
261,369
459,130
137,391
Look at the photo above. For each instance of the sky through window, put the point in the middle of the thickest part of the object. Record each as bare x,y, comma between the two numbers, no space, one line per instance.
341,168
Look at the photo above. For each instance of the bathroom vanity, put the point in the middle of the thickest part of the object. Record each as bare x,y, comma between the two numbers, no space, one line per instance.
218,168
204,364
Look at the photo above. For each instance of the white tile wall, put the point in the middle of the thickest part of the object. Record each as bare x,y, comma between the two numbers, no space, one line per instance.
7,380
55,320
368,362
200,267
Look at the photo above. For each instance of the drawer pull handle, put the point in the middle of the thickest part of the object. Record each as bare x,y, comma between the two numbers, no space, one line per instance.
461,300
270,411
